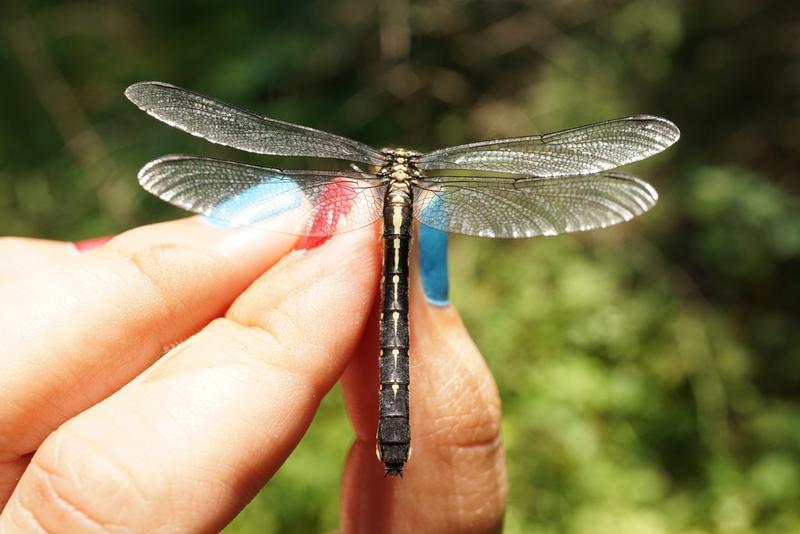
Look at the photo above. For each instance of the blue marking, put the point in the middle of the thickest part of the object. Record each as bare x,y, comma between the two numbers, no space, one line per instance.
433,261
275,195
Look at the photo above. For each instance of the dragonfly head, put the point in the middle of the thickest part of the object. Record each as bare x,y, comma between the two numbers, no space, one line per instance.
394,153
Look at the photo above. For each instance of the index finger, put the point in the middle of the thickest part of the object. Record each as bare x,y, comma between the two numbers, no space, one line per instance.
75,331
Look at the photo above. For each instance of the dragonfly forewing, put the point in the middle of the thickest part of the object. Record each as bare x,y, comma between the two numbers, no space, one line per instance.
584,150
227,125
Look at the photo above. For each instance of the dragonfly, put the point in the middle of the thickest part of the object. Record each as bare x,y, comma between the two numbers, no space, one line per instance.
505,188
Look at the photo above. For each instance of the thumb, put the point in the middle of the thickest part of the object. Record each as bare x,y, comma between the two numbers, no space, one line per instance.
455,479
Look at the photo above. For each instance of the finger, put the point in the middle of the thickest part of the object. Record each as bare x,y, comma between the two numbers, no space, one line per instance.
77,330
22,255
185,446
455,480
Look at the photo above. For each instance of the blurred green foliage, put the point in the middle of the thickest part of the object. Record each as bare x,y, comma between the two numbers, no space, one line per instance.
650,373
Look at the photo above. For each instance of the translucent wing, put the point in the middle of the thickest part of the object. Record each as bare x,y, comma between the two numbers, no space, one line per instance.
583,150
312,203
527,207
226,125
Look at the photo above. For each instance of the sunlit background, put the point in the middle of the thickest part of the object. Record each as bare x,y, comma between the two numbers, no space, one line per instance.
650,373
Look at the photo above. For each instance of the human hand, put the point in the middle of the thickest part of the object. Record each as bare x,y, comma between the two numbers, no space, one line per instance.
99,431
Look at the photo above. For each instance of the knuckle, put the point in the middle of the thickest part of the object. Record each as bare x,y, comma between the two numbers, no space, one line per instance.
160,265
473,415
267,351
161,274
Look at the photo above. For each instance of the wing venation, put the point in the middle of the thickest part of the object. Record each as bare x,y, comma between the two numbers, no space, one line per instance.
227,125
584,150
491,206
306,202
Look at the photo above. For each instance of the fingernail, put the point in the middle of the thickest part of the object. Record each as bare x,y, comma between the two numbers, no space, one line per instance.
433,265
272,197
311,241
86,245
332,205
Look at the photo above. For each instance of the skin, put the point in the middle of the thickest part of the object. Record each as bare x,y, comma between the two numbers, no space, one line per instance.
100,432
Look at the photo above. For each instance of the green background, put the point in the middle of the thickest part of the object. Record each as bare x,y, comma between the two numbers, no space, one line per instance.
650,373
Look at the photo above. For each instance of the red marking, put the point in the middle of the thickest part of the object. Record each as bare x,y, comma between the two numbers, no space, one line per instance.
334,203
86,245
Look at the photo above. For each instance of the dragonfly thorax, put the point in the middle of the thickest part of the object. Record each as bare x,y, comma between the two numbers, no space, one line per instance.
401,165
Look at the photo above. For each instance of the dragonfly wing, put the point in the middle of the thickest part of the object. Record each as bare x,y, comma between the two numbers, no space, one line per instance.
526,207
584,150
310,203
227,125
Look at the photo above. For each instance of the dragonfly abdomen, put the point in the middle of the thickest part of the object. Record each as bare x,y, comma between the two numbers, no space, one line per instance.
394,435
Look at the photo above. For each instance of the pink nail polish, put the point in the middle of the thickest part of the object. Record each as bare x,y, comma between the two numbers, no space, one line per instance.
86,245
333,205
309,242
